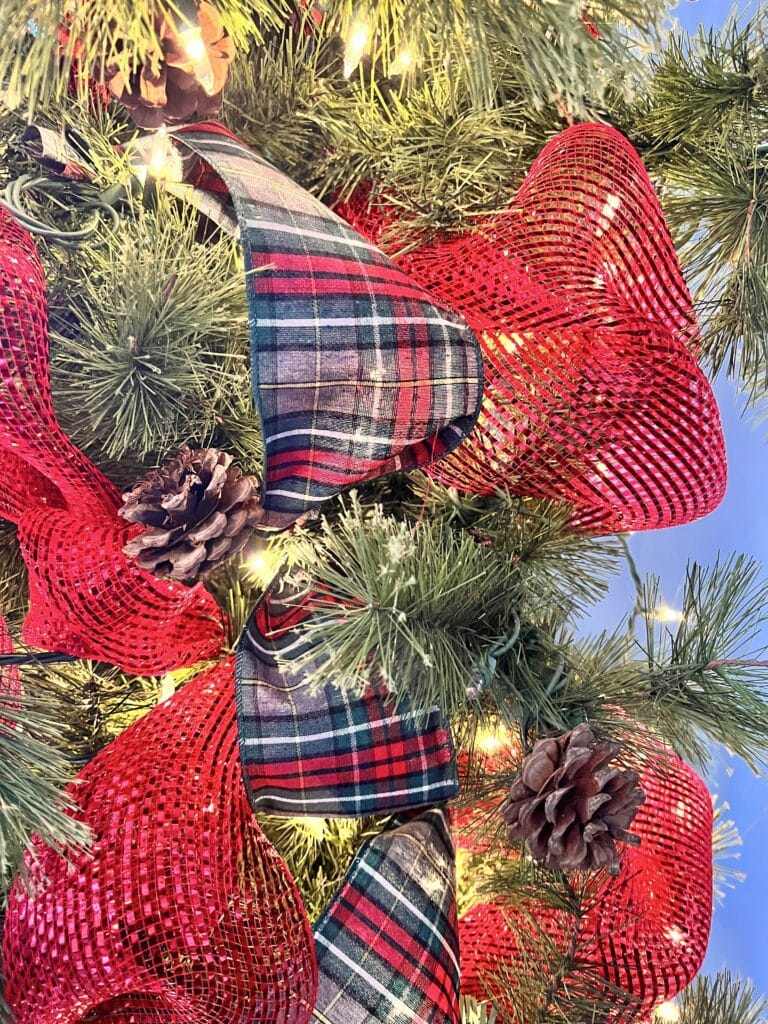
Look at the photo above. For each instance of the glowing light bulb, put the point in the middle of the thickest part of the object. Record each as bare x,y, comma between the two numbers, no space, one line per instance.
262,564
675,935
402,63
356,45
194,47
316,827
667,1013
491,741
167,687
666,614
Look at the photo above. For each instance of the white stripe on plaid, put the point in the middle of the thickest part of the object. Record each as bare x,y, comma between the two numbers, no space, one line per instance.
429,790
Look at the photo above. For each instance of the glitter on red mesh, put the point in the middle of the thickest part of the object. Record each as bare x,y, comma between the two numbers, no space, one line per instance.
87,598
181,911
646,931
593,393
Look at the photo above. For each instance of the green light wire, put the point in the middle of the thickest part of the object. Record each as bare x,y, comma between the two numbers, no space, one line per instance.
84,196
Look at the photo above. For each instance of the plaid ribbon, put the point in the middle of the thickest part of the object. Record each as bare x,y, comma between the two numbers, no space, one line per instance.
357,371
387,946
329,753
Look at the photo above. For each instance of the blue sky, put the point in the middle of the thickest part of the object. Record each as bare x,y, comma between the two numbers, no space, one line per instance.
739,936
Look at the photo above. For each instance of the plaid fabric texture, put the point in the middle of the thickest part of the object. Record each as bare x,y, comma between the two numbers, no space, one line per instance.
329,753
357,371
387,946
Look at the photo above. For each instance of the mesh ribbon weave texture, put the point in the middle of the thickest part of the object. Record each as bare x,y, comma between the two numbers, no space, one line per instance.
357,372
330,752
87,598
646,931
181,912
592,389
387,947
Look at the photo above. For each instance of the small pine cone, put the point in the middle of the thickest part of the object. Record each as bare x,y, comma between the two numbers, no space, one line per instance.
569,806
197,511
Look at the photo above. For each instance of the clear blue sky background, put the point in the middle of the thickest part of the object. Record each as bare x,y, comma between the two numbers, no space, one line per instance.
739,935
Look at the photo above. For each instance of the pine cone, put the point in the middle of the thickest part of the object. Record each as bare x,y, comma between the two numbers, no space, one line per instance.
569,807
165,89
197,511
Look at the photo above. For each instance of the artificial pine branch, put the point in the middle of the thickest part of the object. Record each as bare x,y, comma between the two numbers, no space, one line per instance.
726,845
35,62
473,1012
701,84
724,999
14,591
422,608
318,852
149,335
553,978
708,676
32,772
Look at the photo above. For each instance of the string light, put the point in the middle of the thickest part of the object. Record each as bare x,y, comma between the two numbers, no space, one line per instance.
402,63
666,614
262,564
192,43
194,47
356,45
667,1013
157,158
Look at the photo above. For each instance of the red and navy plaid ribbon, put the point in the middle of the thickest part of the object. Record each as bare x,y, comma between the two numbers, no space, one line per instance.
357,371
387,946
329,753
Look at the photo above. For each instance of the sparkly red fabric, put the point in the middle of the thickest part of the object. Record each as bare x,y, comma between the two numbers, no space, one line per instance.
646,931
593,393
87,598
181,912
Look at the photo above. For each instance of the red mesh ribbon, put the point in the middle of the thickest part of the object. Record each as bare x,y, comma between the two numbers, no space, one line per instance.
87,598
646,931
181,911
592,389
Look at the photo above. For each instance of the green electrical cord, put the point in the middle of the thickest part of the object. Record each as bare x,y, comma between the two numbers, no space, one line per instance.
83,197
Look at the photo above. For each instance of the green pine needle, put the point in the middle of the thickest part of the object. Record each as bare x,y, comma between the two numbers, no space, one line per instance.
724,999
421,608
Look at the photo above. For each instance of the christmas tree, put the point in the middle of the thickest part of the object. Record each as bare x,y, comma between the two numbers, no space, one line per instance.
343,349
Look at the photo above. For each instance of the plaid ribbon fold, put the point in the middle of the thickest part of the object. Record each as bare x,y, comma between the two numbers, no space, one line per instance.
329,753
387,946
357,372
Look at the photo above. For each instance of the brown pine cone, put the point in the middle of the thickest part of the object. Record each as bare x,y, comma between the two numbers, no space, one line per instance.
165,89
569,807
197,511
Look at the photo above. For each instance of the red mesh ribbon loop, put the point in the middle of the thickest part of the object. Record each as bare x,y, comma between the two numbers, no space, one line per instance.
646,931
357,372
181,911
592,389
87,598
